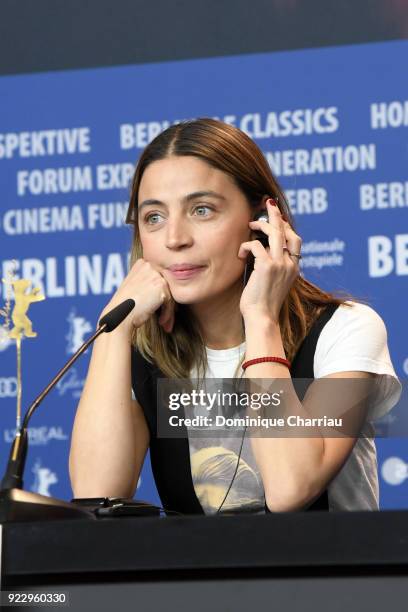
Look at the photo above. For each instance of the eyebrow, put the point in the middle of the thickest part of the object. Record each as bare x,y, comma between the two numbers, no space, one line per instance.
185,200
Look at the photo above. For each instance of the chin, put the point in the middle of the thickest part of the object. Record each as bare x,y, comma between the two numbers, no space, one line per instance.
186,296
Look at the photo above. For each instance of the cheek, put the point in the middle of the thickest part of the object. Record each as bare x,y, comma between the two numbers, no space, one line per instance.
235,241
228,240
222,255
225,264
149,246
221,246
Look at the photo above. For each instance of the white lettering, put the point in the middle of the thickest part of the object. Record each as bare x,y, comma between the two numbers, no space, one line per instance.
112,214
307,201
380,260
114,176
325,160
45,142
139,135
290,123
43,220
72,275
393,114
384,195
54,180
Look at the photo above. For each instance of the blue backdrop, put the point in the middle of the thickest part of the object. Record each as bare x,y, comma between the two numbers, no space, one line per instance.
333,123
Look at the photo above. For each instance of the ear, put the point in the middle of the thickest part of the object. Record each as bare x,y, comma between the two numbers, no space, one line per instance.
261,205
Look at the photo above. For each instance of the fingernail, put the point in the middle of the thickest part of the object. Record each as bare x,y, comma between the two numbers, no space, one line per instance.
272,202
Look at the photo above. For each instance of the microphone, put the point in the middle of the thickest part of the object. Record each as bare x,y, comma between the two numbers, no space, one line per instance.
19,505
115,316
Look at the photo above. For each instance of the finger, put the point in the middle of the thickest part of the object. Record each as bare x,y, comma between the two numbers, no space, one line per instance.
167,314
276,236
254,247
293,240
275,219
165,319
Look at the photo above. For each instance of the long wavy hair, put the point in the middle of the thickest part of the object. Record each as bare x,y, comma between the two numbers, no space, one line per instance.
230,150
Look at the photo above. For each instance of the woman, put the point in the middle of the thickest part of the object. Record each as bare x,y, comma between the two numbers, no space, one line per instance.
202,322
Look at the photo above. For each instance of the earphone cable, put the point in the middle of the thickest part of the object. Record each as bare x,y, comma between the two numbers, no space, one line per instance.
243,437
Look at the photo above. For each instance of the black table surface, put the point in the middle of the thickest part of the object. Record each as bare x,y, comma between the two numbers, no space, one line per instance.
314,541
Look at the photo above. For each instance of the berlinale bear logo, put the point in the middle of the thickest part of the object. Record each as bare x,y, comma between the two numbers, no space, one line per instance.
44,478
78,327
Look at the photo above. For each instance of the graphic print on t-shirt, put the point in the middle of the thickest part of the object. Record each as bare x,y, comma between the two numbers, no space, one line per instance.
214,459
213,464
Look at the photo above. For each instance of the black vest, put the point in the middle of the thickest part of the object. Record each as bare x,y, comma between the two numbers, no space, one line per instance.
170,457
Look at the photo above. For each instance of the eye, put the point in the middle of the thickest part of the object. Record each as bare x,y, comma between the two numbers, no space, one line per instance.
203,206
149,216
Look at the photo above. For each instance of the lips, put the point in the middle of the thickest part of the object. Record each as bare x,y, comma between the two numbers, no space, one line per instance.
184,266
186,273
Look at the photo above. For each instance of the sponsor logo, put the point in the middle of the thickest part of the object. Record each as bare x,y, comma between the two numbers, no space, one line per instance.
43,479
394,471
78,327
8,387
71,383
38,436
318,254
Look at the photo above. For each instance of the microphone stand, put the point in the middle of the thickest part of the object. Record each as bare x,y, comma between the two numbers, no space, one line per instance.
19,505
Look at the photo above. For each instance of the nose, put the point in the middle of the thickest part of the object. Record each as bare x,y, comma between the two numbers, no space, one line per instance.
178,233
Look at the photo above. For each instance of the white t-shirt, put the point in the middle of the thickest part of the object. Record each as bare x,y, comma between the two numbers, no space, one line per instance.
353,339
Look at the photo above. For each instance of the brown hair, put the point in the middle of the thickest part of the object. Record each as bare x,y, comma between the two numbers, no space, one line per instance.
230,150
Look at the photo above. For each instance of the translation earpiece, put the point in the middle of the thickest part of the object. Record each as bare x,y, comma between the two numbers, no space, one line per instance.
261,215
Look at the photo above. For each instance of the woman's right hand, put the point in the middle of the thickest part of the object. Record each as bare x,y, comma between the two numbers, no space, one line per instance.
150,291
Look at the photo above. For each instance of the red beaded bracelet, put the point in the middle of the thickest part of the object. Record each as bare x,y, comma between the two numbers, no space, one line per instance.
262,359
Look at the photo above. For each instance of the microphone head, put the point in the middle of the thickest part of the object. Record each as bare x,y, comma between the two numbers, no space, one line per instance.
114,317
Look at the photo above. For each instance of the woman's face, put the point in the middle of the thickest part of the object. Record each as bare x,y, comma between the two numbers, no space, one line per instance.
190,212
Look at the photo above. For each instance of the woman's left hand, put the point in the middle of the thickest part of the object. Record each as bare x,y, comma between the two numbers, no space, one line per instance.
274,269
